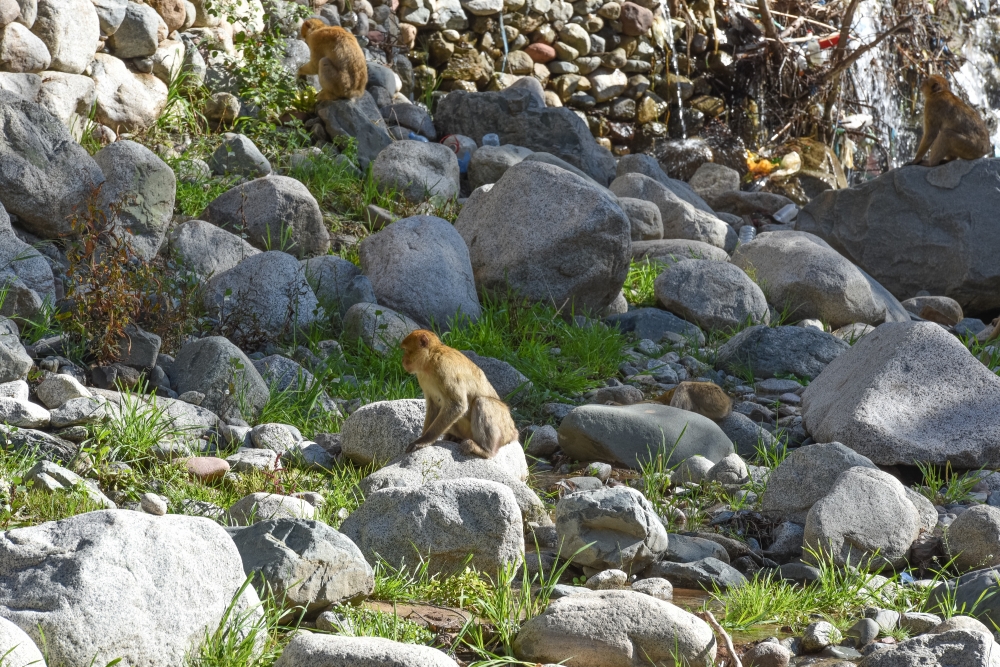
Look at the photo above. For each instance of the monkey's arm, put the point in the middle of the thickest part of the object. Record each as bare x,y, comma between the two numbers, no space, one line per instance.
930,134
432,413
311,67
442,422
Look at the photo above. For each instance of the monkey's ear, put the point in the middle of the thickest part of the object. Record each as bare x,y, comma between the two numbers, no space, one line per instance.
425,340
938,86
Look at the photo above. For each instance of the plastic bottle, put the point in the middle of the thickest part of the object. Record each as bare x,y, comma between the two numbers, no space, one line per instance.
491,139
463,148
747,234
416,137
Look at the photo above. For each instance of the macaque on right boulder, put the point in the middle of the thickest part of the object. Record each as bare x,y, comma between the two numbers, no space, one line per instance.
952,129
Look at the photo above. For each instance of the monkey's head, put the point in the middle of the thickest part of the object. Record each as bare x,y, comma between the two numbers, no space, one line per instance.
310,25
934,85
416,346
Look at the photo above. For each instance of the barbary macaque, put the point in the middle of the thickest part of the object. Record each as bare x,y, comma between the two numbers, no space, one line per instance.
952,129
461,403
706,398
338,60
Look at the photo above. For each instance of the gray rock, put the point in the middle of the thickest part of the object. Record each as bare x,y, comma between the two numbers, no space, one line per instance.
803,273
647,223
51,477
544,441
489,163
330,278
138,349
67,96
973,539
614,628
136,36
804,477
381,329
265,295
410,116
417,170
668,251
237,154
192,422
309,455
508,382
630,435
18,647
714,295
767,654
746,434
444,460
607,580
127,101
646,165
905,393
818,635
24,85
359,119
76,412
150,503
305,564
687,549
961,648
693,469
864,632
21,51
681,220
110,14
209,365
23,269
37,444
786,541
207,249
520,118
878,530
893,216
56,389
712,180
275,437
609,528
442,522
275,213
661,589
698,575
54,579
259,507
750,203
70,30
380,431
731,471
772,351
550,235
654,324
322,650
917,622
41,191
246,460
283,374
625,395
420,267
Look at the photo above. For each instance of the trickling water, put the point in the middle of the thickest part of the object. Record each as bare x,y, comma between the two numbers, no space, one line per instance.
979,76
677,73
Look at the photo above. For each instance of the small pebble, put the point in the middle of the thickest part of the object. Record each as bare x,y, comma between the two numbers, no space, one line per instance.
153,504
607,580
819,635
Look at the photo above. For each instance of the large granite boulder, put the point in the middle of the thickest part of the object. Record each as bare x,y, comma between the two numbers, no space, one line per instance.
908,393
918,228
550,235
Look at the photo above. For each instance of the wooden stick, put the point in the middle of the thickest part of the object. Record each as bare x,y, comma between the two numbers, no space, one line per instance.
862,50
765,17
725,637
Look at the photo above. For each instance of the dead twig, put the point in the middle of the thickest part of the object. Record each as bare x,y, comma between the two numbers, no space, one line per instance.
727,641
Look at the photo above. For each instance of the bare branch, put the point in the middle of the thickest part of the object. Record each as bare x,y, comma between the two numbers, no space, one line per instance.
860,51
770,31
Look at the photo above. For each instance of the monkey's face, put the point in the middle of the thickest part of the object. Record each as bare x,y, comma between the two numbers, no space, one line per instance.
415,347
934,85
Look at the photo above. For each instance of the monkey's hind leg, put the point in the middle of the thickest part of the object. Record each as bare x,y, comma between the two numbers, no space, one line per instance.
492,427
334,81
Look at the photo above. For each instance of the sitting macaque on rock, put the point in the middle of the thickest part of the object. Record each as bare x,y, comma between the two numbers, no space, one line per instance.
461,403
338,60
952,129
706,398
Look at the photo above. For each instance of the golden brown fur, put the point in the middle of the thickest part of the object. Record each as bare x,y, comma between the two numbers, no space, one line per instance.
461,403
337,59
952,129
706,398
